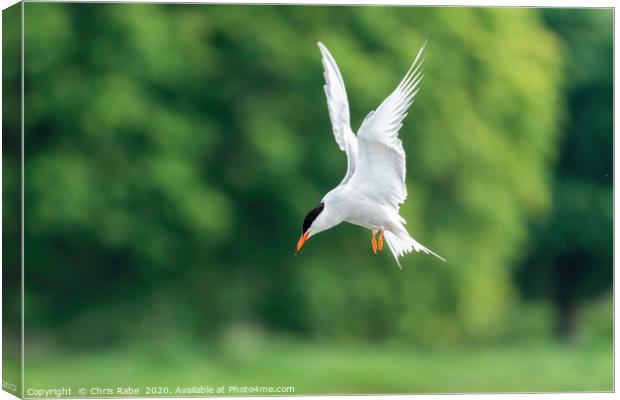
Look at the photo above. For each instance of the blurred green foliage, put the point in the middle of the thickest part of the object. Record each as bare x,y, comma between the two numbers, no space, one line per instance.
172,152
570,257
11,201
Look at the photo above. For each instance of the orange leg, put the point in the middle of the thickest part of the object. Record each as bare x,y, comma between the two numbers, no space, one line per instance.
380,242
374,242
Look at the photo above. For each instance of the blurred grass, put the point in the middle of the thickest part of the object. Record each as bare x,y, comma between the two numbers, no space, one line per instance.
313,368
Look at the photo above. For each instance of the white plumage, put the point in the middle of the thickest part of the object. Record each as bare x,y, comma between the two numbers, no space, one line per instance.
373,187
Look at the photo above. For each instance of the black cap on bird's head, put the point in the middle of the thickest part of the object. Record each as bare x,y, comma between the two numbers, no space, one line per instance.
305,230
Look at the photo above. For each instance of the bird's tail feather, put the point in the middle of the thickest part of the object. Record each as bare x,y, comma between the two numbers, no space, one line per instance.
401,243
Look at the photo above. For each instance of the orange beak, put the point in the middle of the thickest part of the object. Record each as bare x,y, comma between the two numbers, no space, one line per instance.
302,240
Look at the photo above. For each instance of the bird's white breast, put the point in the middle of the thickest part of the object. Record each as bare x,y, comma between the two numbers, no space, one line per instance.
357,209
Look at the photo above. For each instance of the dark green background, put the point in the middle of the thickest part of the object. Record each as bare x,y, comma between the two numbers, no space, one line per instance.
172,152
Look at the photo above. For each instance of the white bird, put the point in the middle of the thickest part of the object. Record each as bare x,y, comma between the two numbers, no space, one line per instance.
373,188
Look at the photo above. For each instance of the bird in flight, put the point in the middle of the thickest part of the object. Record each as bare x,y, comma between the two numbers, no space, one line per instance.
373,188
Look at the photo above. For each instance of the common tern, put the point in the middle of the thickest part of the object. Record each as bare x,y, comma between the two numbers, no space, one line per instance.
373,187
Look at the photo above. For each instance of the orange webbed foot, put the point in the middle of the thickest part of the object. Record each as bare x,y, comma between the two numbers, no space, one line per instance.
380,242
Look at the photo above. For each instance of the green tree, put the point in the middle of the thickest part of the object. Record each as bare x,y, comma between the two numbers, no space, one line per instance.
571,257
173,151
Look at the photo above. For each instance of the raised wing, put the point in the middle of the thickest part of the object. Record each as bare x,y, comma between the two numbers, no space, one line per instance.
380,170
338,106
